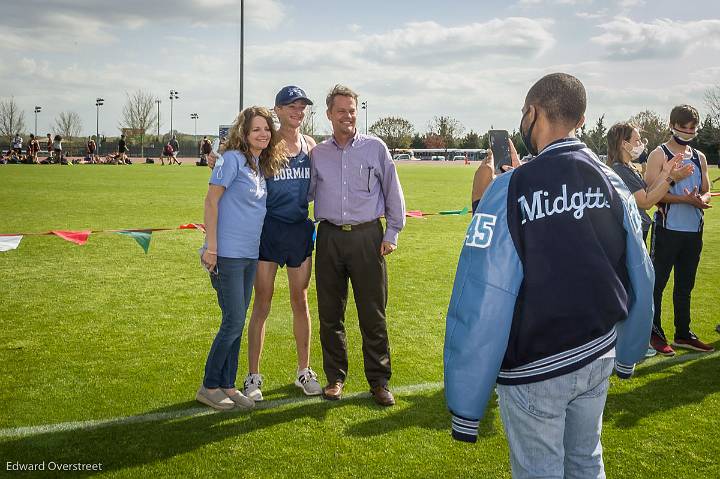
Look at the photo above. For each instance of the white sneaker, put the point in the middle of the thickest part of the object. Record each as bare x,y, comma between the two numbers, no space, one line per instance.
216,399
241,401
252,385
307,381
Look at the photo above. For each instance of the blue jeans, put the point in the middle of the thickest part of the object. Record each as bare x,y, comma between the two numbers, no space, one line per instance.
233,282
553,427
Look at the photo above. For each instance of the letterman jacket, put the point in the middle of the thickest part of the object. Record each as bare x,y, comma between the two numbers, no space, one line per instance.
553,274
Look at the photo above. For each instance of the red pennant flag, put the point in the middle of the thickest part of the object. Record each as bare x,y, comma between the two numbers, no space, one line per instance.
192,226
414,213
77,237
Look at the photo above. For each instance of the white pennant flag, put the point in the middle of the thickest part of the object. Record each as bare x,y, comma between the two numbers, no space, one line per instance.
9,242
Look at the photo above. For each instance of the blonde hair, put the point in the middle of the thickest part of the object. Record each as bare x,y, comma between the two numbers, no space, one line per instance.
273,157
339,90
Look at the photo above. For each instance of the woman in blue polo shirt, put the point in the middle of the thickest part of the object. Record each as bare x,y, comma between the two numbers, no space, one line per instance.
234,213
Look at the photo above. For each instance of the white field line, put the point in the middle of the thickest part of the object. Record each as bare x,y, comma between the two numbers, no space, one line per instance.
191,412
274,404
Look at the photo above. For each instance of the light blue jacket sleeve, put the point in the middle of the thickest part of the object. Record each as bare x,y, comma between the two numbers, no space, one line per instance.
480,314
633,334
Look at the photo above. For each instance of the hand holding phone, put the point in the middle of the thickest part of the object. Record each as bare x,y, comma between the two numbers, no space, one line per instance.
499,144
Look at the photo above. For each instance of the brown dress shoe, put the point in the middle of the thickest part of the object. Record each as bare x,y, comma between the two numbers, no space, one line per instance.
382,395
333,391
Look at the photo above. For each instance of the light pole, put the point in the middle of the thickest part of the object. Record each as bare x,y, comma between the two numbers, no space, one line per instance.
242,49
194,116
98,103
364,107
38,109
173,96
158,101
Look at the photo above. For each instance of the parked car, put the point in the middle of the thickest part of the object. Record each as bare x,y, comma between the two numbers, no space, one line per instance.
404,157
438,158
458,158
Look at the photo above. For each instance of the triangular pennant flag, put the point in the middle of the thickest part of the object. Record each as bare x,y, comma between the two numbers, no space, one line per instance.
77,237
9,242
192,226
414,213
455,212
142,238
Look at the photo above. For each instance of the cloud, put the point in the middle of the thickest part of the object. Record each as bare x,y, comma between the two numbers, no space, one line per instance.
421,44
625,39
66,24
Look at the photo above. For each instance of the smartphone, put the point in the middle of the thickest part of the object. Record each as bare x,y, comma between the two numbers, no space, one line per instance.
500,149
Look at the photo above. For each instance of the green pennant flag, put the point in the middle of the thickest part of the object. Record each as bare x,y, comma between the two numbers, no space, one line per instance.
142,238
455,212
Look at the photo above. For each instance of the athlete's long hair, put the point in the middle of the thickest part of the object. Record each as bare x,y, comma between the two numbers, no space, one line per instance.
273,157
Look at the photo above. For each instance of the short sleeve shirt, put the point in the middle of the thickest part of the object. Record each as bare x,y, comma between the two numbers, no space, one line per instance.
241,210
634,182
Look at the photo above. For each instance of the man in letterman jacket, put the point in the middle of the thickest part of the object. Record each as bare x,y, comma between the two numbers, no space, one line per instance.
553,289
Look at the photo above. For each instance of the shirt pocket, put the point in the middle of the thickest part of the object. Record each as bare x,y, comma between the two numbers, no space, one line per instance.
364,178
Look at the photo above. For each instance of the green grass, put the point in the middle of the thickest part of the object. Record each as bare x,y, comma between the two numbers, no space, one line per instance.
103,331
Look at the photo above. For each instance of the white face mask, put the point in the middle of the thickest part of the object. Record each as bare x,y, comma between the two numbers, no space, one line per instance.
683,136
636,151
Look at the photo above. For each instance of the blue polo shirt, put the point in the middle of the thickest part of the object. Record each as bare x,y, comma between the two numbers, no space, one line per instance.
241,210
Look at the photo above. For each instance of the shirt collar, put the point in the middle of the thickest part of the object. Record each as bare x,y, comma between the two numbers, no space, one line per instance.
352,141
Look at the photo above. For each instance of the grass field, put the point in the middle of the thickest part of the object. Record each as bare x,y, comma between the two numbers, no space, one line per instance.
104,331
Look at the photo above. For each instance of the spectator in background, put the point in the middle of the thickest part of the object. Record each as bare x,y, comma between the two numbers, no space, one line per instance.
176,150
91,150
166,153
624,147
678,229
33,149
57,149
17,143
49,146
205,150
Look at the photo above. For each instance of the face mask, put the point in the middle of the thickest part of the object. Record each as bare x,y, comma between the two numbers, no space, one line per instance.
637,151
682,138
527,137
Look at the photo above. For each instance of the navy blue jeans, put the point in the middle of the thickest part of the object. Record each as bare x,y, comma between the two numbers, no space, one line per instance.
233,281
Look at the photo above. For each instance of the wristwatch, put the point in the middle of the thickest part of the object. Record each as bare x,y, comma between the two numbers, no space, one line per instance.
670,180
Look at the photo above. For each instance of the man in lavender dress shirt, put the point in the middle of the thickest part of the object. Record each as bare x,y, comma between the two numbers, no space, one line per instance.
354,183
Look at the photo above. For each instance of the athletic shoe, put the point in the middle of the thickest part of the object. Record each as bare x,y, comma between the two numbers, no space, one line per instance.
693,343
650,352
660,345
252,385
241,401
307,381
216,399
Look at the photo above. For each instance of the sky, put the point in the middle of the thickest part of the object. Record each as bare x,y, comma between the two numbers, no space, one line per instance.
470,60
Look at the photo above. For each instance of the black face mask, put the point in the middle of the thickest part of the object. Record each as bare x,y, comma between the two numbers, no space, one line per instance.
527,137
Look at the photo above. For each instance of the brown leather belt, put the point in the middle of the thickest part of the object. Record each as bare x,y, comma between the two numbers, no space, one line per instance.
352,227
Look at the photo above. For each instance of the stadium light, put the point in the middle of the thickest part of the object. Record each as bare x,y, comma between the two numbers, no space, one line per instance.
364,106
98,103
38,109
174,95
194,116
158,101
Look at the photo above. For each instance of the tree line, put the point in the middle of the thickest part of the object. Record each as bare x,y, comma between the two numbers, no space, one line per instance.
447,132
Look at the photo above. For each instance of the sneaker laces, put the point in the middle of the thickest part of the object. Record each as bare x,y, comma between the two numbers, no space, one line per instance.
307,375
255,379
